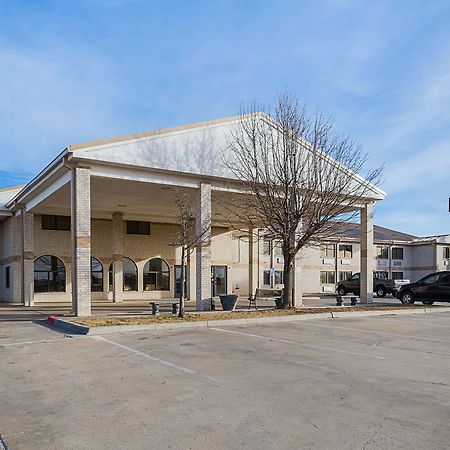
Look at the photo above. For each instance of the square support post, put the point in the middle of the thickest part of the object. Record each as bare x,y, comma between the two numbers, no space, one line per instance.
117,237
81,241
297,296
367,254
27,258
203,249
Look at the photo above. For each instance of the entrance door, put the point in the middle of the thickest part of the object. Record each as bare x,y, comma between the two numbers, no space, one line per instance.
218,280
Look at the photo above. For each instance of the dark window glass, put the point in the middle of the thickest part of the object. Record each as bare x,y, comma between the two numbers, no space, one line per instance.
327,277
345,251
111,277
355,277
446,252
8,276
96,275
130,282
344,276
50,222
431,279
137,227
49,274
156,275
178,280
382,252
327,251
445,279
277,278
397,253
397,275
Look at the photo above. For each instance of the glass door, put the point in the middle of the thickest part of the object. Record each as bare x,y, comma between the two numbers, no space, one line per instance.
218,280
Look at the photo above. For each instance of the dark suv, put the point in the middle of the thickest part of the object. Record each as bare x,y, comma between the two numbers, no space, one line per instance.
381,285
429,289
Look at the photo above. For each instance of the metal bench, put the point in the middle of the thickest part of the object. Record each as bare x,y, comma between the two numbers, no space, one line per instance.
155,307
273,294
340,300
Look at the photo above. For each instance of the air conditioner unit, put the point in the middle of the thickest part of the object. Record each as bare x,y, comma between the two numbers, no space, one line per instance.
382,262
446,262
345,262
397,263
280,260
327,261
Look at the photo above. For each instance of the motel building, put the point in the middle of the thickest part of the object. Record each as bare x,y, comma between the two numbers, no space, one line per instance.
96,224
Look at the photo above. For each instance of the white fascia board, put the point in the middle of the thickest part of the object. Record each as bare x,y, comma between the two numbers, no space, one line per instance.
49,190
142,175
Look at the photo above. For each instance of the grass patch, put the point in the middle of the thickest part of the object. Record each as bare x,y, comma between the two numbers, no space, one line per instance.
196,317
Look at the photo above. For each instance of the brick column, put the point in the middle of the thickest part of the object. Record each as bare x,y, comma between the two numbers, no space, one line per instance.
367,254
117,237
27,258
81,241
203,249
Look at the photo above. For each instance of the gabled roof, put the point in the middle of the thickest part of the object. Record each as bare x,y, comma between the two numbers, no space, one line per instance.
352,230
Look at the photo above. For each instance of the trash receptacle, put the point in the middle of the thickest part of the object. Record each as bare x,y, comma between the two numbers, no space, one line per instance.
228,301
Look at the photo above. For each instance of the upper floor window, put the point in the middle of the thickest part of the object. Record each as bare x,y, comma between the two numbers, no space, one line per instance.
277,249
327,251
382,252
345,251
137,227
266,247
397,253
51,222
446,252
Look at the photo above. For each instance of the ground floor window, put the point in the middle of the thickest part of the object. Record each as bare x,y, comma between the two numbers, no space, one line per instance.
49,274
178,280
397,275
344,276
7,277
156,275
96,275
130,275
277,277
327,277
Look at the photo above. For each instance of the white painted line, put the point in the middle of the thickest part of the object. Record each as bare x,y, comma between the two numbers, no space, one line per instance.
42,341
424,321
155,359
384,333
302,344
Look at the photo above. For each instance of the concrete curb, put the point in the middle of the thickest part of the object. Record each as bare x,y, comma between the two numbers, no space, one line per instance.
74,328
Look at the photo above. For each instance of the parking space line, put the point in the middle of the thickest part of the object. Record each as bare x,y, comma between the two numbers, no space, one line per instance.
411,322
158,360
302,344
41,341
384,333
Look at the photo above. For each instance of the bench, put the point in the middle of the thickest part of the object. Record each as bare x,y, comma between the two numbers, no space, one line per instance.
340,300
155,307
273,294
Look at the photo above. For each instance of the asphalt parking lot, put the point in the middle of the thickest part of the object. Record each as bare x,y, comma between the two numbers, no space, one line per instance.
372,383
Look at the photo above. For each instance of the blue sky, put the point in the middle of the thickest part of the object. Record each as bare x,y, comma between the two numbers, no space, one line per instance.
86,69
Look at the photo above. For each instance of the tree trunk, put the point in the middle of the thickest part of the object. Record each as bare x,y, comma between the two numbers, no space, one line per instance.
181,312
287,274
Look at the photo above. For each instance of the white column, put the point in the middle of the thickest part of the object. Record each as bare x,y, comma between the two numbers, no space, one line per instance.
81,241
117,237
367,254
297,297
203,249
27,258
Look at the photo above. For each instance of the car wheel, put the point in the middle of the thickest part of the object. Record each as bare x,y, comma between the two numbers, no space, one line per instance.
427,302
381,291
341,290
407,298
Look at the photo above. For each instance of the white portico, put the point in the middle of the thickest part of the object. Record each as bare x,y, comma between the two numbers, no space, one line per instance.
104,185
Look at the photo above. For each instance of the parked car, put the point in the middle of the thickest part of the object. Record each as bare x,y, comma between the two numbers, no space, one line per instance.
432,288
382,285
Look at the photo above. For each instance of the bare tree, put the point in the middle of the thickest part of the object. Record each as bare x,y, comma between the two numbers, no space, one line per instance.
300,176
188,238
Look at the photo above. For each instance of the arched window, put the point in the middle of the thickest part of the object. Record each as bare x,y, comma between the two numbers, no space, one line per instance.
96,275
111,277
49,274
130,279
156,275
